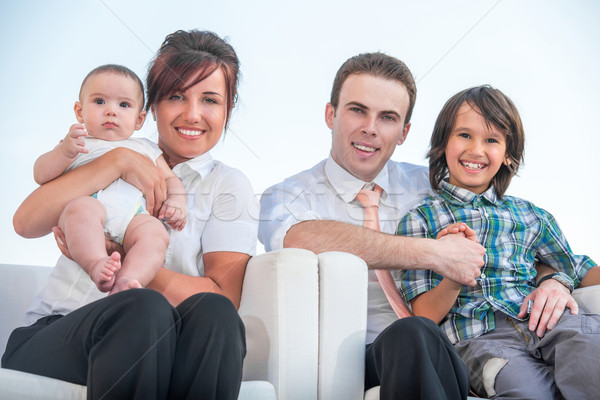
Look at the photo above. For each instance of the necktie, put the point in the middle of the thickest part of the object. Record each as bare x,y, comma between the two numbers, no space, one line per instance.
370,201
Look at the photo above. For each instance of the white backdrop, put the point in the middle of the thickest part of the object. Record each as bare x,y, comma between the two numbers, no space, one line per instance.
543,54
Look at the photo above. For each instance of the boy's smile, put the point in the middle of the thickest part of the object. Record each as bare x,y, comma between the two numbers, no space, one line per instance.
475,151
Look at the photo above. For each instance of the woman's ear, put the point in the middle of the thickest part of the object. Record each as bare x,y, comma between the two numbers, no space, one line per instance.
78,108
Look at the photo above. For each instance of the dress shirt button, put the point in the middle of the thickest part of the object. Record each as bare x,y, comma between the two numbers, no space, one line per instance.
483,276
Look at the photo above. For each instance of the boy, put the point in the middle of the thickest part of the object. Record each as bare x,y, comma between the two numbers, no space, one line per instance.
475,150
110,107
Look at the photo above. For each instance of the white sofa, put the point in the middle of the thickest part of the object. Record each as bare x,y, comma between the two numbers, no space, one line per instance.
305,318
292,354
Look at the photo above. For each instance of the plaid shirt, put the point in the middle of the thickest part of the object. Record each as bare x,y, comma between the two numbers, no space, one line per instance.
515,234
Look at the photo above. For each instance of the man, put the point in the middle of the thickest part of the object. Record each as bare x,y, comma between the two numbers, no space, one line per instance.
369,114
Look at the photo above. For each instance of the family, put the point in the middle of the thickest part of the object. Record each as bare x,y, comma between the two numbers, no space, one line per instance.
460,273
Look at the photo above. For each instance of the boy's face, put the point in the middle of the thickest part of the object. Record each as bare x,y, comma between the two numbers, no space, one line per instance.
475,151
110,106
368,124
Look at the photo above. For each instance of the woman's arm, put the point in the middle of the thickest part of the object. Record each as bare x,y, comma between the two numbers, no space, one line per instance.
223,273
41,209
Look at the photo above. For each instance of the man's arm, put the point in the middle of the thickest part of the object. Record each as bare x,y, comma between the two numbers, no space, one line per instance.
452,256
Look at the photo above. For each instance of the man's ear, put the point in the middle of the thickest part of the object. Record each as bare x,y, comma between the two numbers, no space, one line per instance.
329,115
140,120
78,108
402,137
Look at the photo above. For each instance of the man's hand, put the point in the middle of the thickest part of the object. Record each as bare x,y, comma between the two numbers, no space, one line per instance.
549,302
458,259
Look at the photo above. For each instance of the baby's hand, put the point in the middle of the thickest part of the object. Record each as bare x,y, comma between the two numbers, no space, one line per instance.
174,213
74,142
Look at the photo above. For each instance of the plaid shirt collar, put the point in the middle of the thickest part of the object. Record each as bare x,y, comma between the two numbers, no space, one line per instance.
459,196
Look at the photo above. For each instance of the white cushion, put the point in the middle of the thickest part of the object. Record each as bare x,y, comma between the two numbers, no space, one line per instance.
342,326
588,298
279,308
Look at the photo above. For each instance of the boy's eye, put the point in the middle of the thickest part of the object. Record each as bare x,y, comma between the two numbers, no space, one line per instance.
99,101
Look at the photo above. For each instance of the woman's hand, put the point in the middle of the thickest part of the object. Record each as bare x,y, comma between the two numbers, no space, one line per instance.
142,173
61,242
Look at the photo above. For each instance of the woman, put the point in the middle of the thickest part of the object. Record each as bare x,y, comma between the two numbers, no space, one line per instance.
183,339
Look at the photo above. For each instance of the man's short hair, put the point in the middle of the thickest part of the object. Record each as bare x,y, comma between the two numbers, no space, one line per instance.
379,65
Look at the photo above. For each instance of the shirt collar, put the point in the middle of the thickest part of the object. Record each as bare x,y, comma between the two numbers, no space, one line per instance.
459,195
347,185
202,165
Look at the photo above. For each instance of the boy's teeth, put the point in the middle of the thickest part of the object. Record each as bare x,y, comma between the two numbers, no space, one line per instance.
472,165
364,148
188,132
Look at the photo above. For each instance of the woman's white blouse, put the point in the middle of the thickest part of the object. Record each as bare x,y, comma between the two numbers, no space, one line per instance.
222,216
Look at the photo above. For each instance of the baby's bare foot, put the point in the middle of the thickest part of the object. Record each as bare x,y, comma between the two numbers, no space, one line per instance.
125,283
103,273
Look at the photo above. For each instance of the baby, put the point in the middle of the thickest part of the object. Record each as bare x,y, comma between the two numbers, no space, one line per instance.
109,110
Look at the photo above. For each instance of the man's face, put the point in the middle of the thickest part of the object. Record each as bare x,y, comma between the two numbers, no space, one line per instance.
368,124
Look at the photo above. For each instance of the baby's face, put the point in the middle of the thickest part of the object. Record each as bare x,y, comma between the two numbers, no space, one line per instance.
110,106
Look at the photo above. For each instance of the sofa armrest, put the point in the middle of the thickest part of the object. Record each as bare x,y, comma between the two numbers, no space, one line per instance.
343,284
279,307
588,298
20,284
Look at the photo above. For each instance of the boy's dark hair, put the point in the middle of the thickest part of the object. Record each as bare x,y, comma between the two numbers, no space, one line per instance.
117,69
192,55
379,65
498,110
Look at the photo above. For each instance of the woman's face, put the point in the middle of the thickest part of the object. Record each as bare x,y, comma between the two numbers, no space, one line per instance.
190,123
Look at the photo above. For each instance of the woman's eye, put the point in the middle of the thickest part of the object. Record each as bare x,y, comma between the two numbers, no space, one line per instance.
210,100
176,97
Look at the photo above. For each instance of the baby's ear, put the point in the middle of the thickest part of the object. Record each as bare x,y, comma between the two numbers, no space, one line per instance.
140,120
78,108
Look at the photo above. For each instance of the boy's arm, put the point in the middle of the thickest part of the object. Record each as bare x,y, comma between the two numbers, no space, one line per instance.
436,303
174,209
53,163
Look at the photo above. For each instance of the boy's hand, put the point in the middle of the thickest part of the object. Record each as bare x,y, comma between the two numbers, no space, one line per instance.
174,213
549,302
458,228
74,143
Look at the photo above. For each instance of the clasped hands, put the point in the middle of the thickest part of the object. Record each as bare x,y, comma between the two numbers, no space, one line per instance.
549,299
